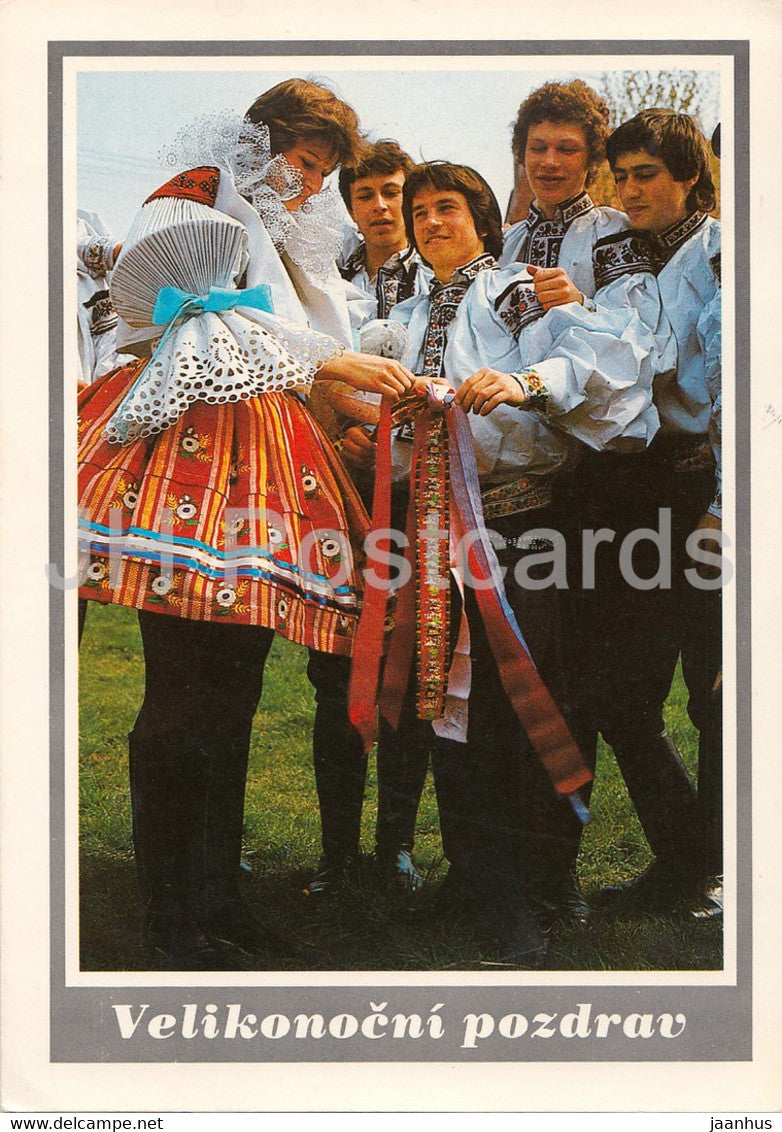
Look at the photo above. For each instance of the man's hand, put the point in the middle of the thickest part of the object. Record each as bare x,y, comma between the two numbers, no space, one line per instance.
707,523
553,286
487,389
342,399
369,373
357,449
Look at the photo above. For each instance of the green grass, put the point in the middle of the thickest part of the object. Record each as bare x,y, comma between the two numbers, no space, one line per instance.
364,929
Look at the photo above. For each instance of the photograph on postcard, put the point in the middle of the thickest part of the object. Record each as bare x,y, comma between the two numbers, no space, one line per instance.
400,409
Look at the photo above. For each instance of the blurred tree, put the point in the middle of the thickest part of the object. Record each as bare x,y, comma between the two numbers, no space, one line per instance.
691,92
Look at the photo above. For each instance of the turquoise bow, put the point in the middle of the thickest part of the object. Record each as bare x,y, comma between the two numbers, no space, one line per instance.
172,302
172,305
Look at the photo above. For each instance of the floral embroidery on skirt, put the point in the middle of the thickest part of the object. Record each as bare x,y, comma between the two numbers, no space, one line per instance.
238,512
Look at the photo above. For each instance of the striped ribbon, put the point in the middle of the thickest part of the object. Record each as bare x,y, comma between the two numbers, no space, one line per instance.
547,731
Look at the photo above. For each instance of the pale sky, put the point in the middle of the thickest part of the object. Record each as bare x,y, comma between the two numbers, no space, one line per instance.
454,112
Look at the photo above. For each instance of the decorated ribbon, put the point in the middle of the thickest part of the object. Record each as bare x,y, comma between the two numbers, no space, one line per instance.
547,731
172,305
368,643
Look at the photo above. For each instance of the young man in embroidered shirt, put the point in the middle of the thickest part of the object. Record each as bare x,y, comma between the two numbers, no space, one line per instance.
383,265
661,165
475,317
559,138
631,637
385,270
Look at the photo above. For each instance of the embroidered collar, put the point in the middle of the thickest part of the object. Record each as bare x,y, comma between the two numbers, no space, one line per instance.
565,213
464,275
672,238
399,258
357,261
396,263
469,271
543,238
444,300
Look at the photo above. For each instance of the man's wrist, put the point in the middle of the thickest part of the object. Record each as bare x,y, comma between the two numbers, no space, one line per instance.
536,393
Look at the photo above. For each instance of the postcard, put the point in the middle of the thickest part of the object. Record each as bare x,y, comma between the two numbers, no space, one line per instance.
97,110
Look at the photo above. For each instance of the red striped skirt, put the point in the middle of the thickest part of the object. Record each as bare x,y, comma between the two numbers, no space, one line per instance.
239,513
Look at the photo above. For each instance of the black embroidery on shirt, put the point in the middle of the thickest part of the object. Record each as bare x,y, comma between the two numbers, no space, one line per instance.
103,317
518,306
543,242
576,206
444,300
355,262
444,303
469,271
624,253
672,238
716,266
396,281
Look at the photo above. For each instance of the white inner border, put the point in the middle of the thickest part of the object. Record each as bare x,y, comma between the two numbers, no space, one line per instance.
72,66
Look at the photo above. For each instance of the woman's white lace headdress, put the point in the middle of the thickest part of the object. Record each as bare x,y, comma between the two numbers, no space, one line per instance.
312,235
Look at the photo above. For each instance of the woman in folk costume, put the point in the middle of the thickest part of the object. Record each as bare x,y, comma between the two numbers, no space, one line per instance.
213,503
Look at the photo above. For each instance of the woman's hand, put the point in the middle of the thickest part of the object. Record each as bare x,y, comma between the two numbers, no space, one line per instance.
369,373
487,389
554,287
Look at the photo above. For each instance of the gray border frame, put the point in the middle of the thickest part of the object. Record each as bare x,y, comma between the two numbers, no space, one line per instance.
719,1018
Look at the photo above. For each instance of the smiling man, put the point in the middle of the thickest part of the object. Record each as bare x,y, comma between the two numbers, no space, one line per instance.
629,634
559,138
383,264
479,327
660,162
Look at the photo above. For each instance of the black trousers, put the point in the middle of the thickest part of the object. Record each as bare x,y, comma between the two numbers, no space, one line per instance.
488,787
501,820
189,751
626,641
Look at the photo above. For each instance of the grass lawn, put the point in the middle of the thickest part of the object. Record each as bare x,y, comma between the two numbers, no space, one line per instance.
361,930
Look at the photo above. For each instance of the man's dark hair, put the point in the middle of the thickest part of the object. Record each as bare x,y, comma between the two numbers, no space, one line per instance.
298,108
573,104
679,144
445,177
383,157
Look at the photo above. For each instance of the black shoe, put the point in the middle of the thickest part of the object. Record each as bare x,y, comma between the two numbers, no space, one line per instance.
182,943
659,888
233,923
334,874
709,903
398,871
453,897
518,941
560,900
